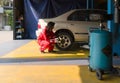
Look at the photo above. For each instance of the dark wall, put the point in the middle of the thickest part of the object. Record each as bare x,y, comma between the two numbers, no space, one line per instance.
101,4
18,7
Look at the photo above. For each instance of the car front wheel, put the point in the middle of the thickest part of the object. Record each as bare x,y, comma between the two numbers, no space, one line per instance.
65,41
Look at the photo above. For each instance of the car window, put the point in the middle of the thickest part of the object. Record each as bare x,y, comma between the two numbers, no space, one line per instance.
103,14
78,16
84,15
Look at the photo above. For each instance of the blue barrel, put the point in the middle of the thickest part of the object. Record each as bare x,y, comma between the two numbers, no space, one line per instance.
100,50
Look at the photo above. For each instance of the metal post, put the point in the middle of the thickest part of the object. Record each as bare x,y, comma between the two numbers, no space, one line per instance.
92,4
14,16
116,16
110,12
87,6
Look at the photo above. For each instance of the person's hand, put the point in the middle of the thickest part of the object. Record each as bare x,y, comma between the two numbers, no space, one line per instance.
56,40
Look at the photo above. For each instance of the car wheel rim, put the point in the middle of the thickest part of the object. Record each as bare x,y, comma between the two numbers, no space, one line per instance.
63,41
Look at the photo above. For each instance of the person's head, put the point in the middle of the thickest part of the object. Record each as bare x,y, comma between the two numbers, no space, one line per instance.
50,25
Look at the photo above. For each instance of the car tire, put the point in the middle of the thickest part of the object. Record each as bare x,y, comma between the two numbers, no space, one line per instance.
65,41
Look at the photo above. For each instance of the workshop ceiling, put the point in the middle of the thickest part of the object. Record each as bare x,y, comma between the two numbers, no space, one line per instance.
102,4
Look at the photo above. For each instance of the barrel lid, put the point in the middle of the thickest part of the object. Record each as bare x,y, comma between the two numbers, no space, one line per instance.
100,31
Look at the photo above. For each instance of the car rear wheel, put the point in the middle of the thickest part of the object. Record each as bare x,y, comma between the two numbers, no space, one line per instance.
65,41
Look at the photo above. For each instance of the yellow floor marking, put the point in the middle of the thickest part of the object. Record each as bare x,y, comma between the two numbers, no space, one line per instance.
51,74
39,74
31,49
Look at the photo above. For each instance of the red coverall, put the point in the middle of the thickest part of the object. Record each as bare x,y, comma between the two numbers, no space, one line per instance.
44,40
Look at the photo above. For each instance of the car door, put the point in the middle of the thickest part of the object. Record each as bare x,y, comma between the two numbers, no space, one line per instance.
81,24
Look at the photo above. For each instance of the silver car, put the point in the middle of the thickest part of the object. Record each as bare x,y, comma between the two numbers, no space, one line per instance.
73,26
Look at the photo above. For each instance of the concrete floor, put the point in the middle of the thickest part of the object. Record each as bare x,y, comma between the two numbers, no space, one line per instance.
21,62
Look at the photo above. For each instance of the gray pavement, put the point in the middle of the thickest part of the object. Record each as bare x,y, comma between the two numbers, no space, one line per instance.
7,44
6,36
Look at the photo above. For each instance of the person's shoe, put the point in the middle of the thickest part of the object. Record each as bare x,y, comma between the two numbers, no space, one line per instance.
42,52
51,51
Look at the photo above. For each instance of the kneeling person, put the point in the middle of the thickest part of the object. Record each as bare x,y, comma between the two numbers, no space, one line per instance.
46,39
